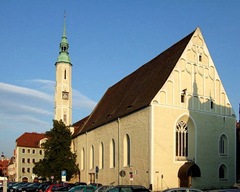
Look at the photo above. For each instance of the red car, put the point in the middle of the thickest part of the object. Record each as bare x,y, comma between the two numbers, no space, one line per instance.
53,187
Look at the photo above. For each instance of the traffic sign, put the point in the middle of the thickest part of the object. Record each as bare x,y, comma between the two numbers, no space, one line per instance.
64,175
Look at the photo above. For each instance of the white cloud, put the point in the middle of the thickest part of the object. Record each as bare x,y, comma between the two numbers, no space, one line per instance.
81,101
8,88
29,107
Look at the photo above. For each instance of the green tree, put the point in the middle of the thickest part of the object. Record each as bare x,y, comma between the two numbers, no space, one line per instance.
58,155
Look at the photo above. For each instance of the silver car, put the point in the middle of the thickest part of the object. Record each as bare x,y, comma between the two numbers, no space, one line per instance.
182,189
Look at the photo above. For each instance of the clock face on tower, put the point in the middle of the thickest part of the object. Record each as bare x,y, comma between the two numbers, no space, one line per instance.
65,95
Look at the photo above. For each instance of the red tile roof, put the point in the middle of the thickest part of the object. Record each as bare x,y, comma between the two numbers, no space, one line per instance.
135,91
29,140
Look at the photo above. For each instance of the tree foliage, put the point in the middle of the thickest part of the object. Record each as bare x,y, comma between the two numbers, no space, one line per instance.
58,155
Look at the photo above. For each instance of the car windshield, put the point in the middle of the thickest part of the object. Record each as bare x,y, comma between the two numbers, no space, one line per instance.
77,188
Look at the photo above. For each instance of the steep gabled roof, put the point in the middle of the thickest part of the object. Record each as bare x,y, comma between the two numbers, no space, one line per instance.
137,90
78,126
30,140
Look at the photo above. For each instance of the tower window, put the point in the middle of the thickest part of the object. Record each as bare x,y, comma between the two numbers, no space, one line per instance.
64,49
200,58
65,118
65,74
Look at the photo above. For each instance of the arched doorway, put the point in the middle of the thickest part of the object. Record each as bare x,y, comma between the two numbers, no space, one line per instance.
186,172
24,179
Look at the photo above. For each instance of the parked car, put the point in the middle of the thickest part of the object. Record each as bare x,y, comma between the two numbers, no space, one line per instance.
11,183
10,186
16,186
83,188
21,187
52,187
30,188
96,184
223,190
182,189
64,188
80,183
42,187
128,188
104,188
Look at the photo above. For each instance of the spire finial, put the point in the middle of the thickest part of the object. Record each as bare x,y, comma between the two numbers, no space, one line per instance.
64,25
63,53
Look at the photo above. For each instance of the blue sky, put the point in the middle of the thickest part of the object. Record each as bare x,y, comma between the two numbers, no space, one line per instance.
108,40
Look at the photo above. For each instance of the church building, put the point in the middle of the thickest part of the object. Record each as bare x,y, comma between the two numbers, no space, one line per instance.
167,124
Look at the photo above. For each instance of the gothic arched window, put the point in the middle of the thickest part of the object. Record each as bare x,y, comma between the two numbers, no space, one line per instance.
92,158
127,150
222,172
223,145
82,159
101,156
181,139
112,154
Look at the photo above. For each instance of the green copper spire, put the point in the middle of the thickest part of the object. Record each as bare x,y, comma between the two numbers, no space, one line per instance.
63,54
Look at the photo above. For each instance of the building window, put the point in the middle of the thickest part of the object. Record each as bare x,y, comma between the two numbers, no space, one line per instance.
23,150
222,172
212,104
28,150
101,156
223,145
23,160
92,158
28,160
127,150
181,139
182,98
200,58
183,94
82,159
28,170
23,170
33,160
33,151
40,152
112,154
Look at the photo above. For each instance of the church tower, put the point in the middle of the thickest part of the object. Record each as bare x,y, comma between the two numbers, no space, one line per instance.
63,88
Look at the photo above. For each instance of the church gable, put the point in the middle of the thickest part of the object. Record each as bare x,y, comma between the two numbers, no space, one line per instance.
184,72
195,79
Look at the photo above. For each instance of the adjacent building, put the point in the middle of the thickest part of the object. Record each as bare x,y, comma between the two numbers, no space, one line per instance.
4,162
167,124
28,151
